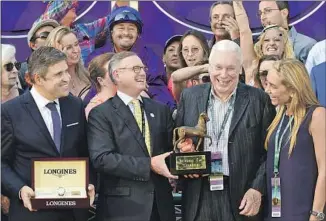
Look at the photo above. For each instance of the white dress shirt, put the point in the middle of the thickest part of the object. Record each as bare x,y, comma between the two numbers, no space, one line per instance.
41,103
317,55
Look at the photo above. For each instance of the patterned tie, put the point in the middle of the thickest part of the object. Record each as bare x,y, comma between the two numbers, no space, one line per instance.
56,121
138,116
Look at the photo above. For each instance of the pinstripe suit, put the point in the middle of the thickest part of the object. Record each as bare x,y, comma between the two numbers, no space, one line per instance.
252,115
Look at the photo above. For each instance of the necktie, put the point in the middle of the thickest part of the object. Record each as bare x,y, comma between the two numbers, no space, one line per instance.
56,121
139,120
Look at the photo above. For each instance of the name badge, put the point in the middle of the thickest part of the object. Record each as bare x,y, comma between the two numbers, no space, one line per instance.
216,177
276,197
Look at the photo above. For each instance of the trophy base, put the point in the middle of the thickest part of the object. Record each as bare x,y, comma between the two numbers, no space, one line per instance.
63,203
190,163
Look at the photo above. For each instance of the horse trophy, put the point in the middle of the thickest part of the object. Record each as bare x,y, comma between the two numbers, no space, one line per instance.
197,162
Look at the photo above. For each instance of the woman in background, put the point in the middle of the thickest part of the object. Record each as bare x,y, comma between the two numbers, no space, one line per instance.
98,69
265,63
296,146
64,39
193,49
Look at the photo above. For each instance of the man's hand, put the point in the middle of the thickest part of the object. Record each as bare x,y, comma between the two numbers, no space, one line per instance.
250,203
158,165
91,193
187,146
231,26
5,203
26,193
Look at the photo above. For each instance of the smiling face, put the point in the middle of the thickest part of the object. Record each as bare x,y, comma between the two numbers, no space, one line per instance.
219,13
273,42
130,76
124,36
70,45
55,83
276,90
224,72
192,50
264,68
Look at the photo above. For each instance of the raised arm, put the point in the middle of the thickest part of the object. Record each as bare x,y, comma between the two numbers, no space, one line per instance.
246,41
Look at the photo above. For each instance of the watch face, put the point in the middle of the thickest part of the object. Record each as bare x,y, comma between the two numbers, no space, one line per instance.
321,216
61,191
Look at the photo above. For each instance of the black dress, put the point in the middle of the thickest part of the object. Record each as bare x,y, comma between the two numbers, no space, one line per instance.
298,173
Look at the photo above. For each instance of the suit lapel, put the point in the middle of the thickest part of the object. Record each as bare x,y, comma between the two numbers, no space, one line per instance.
240,105
126,115
203,99
37,117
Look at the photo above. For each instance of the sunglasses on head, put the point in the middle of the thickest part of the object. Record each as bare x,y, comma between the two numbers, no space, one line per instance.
126,15
42,35
10,66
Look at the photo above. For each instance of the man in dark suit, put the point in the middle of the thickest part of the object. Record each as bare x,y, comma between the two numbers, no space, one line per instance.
129,137
318,80
239,117
45,122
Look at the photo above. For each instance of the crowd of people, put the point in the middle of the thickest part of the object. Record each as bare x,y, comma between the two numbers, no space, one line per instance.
265,100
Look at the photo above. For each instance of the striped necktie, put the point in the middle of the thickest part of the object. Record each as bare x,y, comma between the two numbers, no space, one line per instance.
139,120
56,121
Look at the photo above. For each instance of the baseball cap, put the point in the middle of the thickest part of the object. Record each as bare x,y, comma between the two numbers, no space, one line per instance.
39,24
171,40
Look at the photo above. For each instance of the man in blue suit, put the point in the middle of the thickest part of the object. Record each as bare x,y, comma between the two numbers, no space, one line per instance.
318,80
44,122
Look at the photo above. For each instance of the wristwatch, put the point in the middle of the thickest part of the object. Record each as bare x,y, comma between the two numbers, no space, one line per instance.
319,215
61,191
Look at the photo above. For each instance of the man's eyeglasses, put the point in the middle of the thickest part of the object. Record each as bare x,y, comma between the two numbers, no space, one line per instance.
10,66
266,11
136,69
42,35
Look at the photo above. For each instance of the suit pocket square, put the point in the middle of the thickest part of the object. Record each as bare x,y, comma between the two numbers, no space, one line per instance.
73,124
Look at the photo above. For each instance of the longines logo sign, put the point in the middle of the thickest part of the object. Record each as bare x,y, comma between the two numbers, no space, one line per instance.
59,172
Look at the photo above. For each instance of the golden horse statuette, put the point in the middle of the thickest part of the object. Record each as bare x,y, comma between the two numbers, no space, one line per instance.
198,162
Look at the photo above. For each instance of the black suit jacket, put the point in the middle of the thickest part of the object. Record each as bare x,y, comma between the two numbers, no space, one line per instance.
118,152
252,115
24,136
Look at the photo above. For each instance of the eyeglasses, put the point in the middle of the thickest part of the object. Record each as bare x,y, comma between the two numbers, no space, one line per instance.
266,11
125,15
10,66
136,69
42,35
185,51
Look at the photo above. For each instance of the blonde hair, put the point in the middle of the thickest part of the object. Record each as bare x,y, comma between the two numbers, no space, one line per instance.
54,39
296,79
288,48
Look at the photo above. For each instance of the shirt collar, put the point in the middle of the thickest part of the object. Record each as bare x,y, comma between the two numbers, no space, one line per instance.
41,101
126,98
213,96
292,32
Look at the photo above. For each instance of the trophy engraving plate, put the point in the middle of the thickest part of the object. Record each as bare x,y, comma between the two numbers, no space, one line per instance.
60,183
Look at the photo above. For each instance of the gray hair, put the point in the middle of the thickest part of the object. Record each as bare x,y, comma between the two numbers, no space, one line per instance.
219,3
115,61
7,52
225,46
41,59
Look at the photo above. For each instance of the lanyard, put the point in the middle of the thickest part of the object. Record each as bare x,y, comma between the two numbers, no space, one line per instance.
226,117
278,143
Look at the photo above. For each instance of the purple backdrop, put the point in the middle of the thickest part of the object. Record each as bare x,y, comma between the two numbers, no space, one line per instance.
161,19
